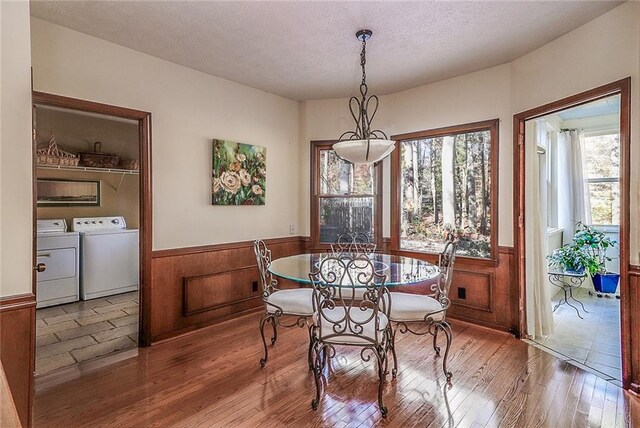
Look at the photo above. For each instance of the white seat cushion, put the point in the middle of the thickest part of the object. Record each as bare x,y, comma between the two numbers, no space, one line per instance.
413,307
353,293
330,317
295,301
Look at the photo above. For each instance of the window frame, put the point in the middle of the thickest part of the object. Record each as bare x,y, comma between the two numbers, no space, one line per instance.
596,180
487,125
315,245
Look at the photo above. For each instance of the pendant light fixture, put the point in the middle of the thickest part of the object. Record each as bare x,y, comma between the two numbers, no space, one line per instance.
363,145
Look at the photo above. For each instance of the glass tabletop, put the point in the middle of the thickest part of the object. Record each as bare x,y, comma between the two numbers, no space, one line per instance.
398,270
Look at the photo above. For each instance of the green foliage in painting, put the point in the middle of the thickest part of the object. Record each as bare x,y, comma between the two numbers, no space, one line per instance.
239,174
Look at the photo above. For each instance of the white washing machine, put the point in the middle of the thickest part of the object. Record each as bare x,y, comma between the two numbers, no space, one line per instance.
109,256
59,251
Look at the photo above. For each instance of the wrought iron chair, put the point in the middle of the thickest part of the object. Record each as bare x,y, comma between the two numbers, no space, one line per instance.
353,243
278,303
341,320
414,309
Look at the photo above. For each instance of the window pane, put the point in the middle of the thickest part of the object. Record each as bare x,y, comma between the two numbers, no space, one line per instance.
605,203
338,177
445,183
345,215
602,156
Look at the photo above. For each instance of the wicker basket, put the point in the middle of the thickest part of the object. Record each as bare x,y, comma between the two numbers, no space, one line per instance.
132,164
97,159
55,155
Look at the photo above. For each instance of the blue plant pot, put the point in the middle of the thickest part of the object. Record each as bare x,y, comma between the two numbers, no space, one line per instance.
606,282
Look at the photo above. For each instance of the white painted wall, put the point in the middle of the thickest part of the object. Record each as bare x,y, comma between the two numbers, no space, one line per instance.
15,149
602,51
470,98
189,108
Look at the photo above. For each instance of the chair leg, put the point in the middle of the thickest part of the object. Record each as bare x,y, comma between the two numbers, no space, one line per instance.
325,357
310,356
274,324
435,342
381,356
446,329
392,345
317,373
263,321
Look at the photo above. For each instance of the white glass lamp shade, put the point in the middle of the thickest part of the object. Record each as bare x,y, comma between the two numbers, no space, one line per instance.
355,151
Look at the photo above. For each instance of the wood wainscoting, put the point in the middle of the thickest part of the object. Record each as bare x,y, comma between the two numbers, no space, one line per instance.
633,320
482,293
17,349
489,298
198,286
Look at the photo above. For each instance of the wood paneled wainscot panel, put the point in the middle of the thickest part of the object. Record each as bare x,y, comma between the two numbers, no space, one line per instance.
491,299
477,287
208,292
17,342
198,286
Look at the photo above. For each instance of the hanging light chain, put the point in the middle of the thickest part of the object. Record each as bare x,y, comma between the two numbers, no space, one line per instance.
363,109
363,61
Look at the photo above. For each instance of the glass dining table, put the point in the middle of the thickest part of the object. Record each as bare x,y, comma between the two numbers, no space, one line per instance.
399,270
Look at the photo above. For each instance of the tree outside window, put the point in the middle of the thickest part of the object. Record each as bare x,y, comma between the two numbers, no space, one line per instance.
602,163
445,185
345,197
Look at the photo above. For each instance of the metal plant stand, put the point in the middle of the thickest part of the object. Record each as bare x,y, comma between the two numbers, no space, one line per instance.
567,281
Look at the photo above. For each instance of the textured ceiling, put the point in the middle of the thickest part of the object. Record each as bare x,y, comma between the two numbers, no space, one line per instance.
308,50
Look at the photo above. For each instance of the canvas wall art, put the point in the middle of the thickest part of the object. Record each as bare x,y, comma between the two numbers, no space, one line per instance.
239,173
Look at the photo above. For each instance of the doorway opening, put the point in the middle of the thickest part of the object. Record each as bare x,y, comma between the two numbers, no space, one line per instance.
572,222
91,231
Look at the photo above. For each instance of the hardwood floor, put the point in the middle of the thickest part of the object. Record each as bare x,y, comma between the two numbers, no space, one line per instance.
212,378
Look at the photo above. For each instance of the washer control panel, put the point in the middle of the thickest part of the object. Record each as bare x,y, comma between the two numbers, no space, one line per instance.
85,224
51,225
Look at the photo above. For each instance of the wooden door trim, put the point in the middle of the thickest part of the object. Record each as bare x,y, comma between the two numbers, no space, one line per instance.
630,362
145,189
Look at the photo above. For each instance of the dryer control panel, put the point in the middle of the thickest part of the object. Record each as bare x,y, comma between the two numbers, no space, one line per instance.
86,224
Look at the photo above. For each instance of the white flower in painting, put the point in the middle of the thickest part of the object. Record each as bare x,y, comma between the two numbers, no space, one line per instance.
241,157
260,157
245,177
216,184
256,189
230,182
262,172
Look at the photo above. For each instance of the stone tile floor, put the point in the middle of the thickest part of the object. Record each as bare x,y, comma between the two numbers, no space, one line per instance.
81,331
592,343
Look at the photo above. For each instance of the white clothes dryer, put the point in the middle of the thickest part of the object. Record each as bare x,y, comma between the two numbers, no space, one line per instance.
109,256
59,251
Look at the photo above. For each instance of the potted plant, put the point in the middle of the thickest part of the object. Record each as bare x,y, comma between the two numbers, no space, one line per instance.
595,243
572,259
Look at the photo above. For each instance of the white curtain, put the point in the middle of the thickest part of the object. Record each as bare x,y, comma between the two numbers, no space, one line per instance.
539,306
573,191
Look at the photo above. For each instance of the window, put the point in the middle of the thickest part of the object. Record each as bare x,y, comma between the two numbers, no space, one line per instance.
446,180
344,197
602,164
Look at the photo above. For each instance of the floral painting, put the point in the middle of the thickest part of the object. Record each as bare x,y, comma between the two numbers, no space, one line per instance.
239,173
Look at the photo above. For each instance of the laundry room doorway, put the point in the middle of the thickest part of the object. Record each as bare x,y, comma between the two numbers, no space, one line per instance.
92,232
